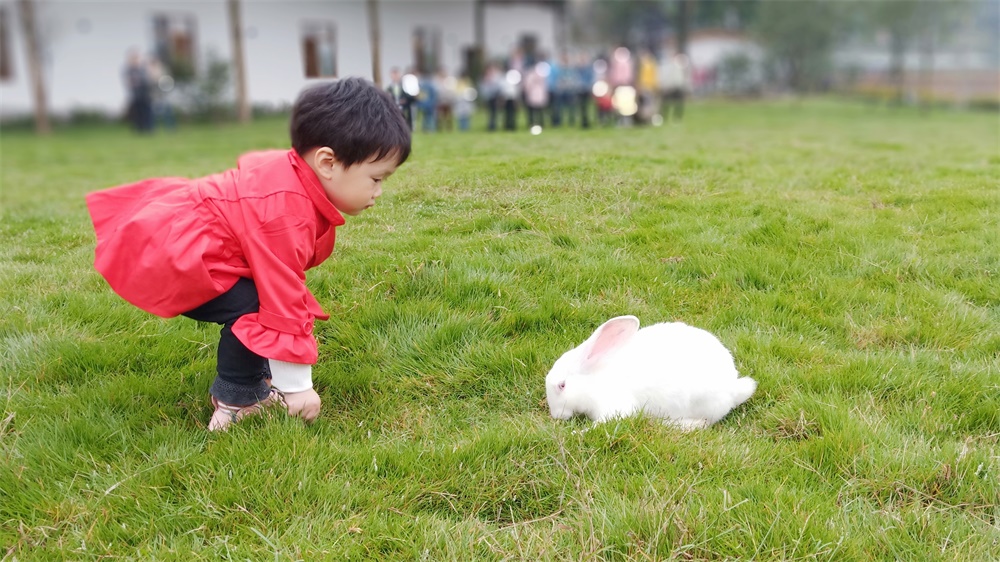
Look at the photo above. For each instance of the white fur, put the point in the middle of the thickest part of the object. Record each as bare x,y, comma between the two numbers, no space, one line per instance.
673,371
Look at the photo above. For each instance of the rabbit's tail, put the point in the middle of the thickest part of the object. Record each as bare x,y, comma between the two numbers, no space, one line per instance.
742,389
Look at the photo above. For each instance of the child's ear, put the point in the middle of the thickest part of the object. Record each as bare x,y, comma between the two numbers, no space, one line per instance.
323,161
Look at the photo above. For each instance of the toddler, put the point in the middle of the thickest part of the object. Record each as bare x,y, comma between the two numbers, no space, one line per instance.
232,248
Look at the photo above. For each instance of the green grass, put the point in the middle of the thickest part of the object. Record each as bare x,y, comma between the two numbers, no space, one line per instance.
847,255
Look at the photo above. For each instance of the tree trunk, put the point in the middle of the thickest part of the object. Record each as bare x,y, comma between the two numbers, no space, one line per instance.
34,55
683,25
375,30
239,65
897,52
561,29
795,79
479,24
926,91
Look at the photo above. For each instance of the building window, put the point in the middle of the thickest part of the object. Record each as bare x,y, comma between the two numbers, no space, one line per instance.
528,43
6,65
319,50
427,49
174,36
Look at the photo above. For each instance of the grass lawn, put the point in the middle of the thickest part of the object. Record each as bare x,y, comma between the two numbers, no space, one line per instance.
847,255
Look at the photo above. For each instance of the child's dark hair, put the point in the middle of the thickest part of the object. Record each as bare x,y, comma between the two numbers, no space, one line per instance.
358,121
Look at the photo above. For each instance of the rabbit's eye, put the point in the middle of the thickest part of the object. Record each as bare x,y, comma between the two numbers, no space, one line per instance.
562,385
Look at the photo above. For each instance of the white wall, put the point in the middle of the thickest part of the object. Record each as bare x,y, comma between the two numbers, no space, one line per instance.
86,42
85,45
272,43
505,24
399,19
14,91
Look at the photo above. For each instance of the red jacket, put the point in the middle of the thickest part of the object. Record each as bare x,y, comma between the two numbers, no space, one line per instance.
169,245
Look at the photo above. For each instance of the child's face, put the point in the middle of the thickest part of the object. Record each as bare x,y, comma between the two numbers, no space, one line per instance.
354,189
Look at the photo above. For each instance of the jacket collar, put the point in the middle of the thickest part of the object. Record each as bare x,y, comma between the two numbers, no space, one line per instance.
315,189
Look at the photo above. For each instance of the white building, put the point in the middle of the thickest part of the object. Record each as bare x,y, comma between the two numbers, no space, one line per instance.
287,43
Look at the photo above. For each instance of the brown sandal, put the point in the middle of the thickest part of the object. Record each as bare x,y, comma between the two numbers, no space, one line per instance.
226,415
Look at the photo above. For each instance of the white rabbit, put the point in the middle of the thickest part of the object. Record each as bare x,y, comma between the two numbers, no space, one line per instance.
673,371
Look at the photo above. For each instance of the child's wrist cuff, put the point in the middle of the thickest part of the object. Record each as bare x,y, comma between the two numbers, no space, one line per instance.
290,377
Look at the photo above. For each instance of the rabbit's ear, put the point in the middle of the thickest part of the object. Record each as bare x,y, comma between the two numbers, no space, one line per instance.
609,336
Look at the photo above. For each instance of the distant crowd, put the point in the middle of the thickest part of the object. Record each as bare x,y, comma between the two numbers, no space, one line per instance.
619,88
147,85
524,90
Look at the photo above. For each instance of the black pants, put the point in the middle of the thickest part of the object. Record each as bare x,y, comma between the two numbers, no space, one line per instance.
510,115
241,372
583,99
536,116
674,99
491,105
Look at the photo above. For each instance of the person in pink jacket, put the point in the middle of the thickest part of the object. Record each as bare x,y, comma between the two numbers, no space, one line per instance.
232,248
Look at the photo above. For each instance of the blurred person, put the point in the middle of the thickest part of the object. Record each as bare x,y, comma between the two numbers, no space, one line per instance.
647,87
404,100
536,93
675,80
565,92
465,97
427,103
232,248
602,92
510,93
518,61
162,87
489,88
555,74
620,71
621,74
444,85
584,71
138,88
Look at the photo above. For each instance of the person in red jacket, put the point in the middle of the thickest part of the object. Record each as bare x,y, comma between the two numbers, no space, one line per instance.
232,248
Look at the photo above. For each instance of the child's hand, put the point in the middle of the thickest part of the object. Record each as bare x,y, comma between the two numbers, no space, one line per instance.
305,404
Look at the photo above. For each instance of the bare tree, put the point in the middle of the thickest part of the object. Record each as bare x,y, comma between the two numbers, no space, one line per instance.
914,23
799,38
376,38
33,51
684,10
239,65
